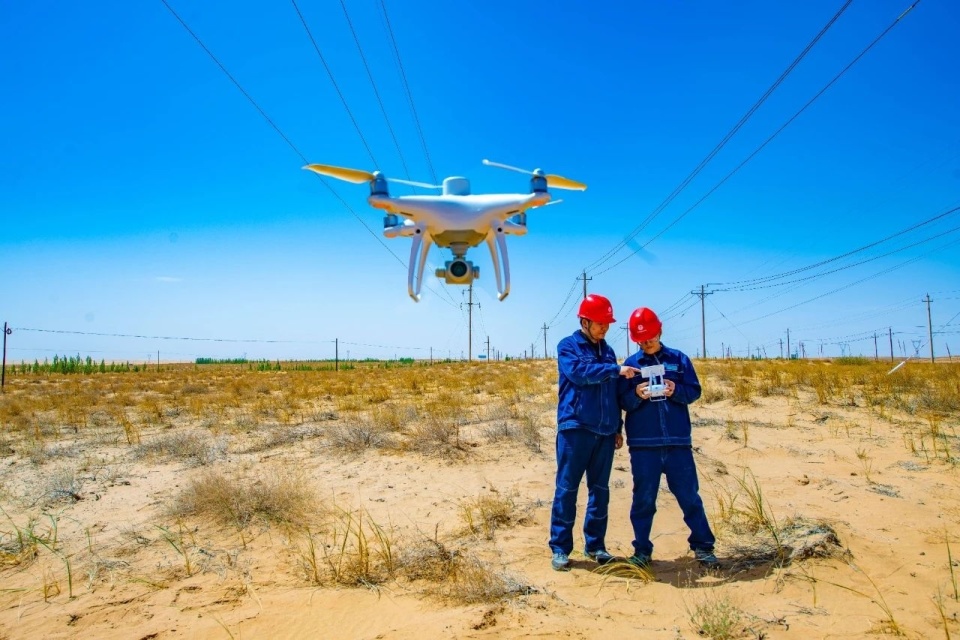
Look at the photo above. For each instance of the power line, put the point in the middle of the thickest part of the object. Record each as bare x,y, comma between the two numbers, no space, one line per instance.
303,158
703,163
184,338
406,86
849,266
897,234
333,80
860,281
376,91
768,140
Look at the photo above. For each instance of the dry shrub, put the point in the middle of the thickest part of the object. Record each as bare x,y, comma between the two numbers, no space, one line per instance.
437,435
281,436
525,431
487,513
475,581
196,447
357,436
275,497
428,559
713,393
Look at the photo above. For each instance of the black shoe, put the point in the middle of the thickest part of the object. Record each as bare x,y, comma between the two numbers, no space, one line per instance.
706,559
600,556
640,560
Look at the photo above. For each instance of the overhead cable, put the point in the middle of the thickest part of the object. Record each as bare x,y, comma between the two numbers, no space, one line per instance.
767,141
703,163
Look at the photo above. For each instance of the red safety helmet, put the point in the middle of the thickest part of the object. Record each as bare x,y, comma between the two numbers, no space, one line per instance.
596,309
644,325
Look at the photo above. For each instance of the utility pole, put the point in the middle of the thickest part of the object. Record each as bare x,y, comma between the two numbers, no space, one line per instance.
431,355
532,354
3,369
930,328
336,354
723,350
702,294
585,278
627,328
788,344
876,352
781,348
488,348
470,304
890,333
546,354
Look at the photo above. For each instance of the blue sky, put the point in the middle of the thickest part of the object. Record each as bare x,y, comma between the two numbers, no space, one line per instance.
142,193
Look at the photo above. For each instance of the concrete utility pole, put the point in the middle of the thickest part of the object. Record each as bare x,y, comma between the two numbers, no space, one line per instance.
336,354
470,304
3,369
702,294
788,344
781,348
890,333
532,354
546,354
876,351
930,328
585,278
488,348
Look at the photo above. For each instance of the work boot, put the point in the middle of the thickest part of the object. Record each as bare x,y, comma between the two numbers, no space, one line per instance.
600,556
560,562
640,560
706,559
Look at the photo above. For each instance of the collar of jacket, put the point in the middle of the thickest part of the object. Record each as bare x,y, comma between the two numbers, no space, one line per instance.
583,339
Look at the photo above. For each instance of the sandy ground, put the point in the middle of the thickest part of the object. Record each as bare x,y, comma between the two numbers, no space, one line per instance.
844,469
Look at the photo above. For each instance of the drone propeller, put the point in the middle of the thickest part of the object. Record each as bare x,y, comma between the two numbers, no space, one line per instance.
553,180
358,176
548,203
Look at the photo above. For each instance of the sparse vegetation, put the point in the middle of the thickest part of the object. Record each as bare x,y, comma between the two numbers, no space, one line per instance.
255,458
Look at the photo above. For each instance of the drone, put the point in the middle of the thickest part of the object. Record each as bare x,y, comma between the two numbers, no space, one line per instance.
456,219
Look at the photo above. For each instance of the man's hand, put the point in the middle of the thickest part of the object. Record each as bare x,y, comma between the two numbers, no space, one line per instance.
629,372
642,391
671,385
618,441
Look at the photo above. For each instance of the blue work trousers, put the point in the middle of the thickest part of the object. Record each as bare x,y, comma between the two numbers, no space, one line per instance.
647,464
581,451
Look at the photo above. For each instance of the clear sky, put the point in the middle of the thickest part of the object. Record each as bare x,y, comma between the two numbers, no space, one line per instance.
142,194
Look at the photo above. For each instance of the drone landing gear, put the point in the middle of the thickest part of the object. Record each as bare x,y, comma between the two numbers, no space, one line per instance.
421,243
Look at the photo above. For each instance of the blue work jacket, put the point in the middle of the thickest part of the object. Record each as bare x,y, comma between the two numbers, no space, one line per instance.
587,386
666,422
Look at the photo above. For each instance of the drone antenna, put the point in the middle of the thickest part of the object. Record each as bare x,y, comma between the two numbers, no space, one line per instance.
491,163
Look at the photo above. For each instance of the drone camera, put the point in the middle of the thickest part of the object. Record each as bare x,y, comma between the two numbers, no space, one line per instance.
459,271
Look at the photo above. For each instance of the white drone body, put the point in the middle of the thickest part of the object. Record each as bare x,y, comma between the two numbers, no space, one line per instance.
456,219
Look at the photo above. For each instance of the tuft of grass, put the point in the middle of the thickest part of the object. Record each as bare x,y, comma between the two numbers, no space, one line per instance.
283,498
888,624
714,615
476,582
357,436
485,514
360,552
196,447
625,570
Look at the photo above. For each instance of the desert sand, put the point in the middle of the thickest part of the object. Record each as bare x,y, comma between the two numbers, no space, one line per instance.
421,501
